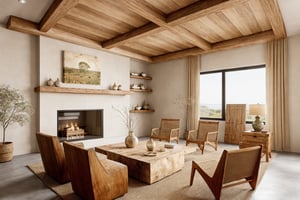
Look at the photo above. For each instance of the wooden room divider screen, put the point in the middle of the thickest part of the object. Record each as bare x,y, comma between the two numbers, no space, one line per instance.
234,123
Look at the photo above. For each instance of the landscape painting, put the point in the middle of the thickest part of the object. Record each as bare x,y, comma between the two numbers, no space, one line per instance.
81,69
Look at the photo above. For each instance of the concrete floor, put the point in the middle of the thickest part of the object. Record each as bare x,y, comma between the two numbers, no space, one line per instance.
281,180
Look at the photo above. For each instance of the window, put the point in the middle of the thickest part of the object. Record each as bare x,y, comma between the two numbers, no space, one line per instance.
234,86
211,95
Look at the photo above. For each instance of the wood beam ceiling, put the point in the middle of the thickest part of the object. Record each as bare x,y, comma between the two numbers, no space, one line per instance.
274,15
25,26
57,19
57,10
229,44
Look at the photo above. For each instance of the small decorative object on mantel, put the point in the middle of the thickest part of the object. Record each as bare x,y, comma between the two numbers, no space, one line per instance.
114,86
50,82
150,144
57,82
119,87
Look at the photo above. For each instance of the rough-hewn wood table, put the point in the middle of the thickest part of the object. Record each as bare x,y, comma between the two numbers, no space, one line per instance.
148,169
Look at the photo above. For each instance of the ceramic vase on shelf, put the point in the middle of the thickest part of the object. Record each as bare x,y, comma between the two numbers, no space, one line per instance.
131,140
150,144
50,82
57,82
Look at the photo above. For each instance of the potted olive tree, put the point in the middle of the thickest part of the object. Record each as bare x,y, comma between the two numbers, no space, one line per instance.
13,109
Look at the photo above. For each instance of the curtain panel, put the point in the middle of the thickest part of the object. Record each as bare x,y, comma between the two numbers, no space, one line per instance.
193,67
277,102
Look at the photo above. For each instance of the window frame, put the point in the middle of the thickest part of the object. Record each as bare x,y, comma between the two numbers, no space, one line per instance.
223,72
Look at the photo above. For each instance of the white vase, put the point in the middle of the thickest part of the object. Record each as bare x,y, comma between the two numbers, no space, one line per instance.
131,140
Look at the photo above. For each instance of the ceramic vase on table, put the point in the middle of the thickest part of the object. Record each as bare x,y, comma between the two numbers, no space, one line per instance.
131,140
150,144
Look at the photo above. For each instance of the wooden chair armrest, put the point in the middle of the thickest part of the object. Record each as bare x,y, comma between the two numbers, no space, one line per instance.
154,131
190,133
212,135
174,132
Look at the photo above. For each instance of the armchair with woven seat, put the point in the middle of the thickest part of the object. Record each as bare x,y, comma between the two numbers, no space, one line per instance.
207,133
234,167
168,131
93,178
53,157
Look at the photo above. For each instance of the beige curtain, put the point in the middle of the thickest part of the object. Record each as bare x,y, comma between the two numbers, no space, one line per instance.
277,105
193,67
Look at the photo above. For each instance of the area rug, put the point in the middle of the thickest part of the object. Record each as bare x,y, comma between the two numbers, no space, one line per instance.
175,186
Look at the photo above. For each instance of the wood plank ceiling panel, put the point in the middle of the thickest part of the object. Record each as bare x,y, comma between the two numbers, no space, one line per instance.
260,15
168,6
158,30
162,42
98,19
201,29
84,29
114,10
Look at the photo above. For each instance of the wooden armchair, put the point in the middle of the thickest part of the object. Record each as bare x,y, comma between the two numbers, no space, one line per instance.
53,157
92,178
168,131
235,167
207,133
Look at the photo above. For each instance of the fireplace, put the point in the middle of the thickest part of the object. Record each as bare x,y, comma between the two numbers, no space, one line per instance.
79,124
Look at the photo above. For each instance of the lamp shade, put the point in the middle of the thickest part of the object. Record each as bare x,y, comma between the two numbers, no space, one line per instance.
257,109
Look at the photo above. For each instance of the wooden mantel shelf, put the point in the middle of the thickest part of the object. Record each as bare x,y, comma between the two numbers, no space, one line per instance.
51,89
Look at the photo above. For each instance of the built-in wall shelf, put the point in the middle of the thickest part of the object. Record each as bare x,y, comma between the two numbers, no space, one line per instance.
52,89
141,90
142,111
141,77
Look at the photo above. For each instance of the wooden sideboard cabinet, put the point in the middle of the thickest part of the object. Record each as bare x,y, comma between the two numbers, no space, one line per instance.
250,138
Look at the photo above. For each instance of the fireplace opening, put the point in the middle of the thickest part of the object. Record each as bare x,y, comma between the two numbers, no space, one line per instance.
79,124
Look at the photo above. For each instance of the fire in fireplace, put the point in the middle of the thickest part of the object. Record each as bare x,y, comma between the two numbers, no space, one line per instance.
79,124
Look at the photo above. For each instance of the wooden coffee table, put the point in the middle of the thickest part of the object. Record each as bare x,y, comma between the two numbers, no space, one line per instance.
143,166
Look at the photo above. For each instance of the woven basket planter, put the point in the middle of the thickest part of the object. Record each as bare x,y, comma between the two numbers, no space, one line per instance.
6,151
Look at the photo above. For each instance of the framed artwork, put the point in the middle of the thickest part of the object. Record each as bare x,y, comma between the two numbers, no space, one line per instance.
81,68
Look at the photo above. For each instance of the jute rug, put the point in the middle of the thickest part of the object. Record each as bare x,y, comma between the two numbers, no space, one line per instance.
175,186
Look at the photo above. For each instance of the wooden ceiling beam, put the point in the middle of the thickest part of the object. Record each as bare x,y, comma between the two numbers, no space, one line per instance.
148,29
57,10
193,11
141,9
273,13
225,45
25,26
200,9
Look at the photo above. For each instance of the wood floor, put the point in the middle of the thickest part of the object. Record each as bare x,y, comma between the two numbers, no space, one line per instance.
281,180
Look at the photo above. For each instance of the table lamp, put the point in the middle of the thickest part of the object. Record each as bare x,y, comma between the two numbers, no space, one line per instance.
257,109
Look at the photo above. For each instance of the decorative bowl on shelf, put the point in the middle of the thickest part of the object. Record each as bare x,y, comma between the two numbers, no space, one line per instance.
138,107
134,74
143,74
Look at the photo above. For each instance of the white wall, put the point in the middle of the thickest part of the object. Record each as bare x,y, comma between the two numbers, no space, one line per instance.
169,94
235,58
18,61
293,91
113,68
